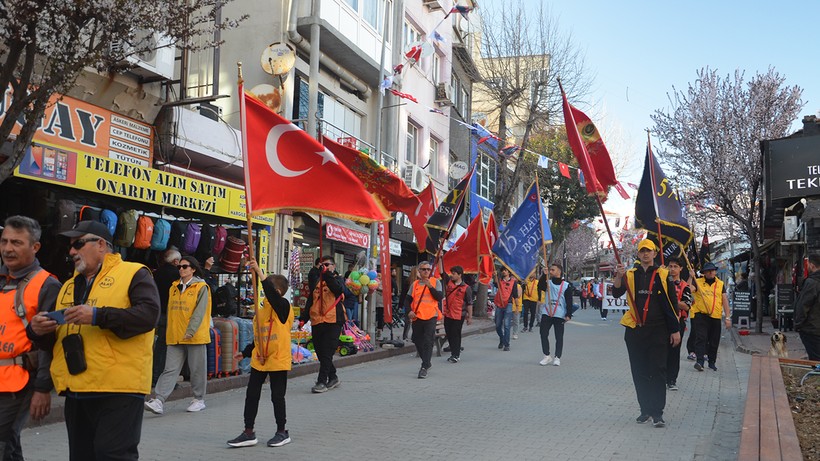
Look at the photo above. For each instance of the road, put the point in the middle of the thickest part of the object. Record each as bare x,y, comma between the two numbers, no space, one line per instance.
493,405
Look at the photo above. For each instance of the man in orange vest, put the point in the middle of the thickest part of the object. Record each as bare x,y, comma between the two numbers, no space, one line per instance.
424,299
458,307
25,383
507,290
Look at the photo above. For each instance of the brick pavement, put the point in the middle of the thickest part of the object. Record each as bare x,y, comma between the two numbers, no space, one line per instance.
492,405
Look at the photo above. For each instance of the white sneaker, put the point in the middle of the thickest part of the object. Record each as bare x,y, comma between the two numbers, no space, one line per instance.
154,406
557,362
515,336
196,405
545,361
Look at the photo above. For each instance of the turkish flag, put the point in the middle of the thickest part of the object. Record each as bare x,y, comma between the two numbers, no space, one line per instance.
564,168
418,217
286,169
469,248
492,229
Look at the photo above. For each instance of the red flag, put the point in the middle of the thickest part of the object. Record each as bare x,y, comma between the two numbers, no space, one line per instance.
564,168
404,95
299,174
418,217
578,147
378,180
384,258
485,274
469,248
483,139
414,53
601,162
621,190
492,229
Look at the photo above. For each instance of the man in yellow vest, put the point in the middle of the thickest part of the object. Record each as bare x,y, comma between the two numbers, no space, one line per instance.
25,385
651,323
103,351
711,302
424,298
532,296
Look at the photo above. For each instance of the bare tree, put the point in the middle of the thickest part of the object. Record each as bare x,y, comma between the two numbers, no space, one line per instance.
45,45
711,137
523,53
578,246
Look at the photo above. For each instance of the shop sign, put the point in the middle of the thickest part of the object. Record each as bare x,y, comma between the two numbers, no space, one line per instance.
343,234
395,247
77,126
121,179
611,303
793,168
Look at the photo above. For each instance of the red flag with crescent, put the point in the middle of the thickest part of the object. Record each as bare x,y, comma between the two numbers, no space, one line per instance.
469,248
418,217
492,229
286,169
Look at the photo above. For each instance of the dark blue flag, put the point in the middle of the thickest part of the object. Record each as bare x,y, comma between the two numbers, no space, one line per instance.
440,224
519,244
658,203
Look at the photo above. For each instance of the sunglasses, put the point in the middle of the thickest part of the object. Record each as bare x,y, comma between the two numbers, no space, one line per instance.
77,244
425,268
183,266
328,264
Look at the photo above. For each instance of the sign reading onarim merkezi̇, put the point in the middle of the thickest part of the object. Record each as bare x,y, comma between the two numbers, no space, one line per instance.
792,167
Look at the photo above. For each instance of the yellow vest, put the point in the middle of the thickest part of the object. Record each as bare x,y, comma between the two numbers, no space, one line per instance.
114,364
631,316
180,308
709,298
270,333
531,292
517,303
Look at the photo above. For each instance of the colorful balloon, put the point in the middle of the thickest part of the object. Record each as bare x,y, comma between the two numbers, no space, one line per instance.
364,279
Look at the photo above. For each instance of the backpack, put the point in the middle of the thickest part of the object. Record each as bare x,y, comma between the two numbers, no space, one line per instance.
109,218
88,213
66,215
206,242
162,232
220,238
224,301
193,234
126,228
145,232
178,229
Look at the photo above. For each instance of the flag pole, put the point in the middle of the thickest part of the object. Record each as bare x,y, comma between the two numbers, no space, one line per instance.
446,235
654,197
541,220
248,213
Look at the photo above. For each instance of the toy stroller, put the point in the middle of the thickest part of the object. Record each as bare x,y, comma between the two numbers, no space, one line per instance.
362,339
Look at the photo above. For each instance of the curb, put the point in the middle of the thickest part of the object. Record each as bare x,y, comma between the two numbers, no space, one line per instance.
183,389
739,347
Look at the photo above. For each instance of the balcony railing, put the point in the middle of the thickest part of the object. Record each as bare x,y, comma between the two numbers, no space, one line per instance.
343,137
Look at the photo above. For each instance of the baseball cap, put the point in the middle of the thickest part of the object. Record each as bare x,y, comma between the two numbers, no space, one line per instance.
645,243
89,227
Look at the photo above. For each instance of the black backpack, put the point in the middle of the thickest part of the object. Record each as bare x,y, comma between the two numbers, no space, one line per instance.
224,301
178,230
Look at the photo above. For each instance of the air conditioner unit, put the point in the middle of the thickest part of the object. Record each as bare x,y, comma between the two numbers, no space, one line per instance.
433,5
156,63
443,97
414,177
792,230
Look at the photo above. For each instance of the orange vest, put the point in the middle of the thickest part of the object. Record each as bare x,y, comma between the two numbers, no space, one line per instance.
454,305
13,340
504,293
424,304
323,308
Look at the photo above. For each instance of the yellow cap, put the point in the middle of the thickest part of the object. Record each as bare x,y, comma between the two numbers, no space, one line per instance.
646,243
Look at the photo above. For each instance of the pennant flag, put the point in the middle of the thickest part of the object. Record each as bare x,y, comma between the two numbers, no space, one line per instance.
705,255
469,248
436,111
386,83
657,203
564,168
397,69
418,217
578,147
378,180
414,53
621,190
284,175
509,150
464,10
483,139
442,221
437,37
492,229
634,186
581,178
598,154
543,162
519,244
626,223
404,95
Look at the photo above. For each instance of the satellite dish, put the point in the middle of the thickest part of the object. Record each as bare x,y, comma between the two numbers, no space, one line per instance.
278,59
268,94
458,170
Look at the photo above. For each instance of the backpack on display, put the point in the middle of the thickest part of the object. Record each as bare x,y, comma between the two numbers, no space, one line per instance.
162,233
224,301
232,256
206,243
126,229
193,233
145,232
178,229
220,238
88,213
109,218
66,215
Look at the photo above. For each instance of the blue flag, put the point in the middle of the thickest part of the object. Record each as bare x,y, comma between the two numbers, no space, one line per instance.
519,244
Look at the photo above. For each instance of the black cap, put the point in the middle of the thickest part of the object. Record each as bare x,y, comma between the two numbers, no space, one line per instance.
89,227
709,267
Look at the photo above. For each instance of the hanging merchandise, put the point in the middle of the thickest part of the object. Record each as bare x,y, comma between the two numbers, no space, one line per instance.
126,228
363,282
109,218
294,271
161,235
220,238
232,255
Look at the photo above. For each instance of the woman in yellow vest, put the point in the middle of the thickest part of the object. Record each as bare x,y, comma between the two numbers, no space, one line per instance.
189,317
270,358
532,296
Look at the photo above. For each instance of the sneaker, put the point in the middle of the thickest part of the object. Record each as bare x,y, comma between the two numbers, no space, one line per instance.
698,366
422,373
452,359
712,366
691,356
333,383
658,422
319,388
546,360
244,440
446,349
501,345
281,438
155,406
642,419
506,348
515,336
672,387
603,318
196,405
557,362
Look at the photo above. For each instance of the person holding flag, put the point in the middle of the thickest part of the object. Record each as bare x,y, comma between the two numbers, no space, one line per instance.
507,290
711,302
458,308
424,299
651,323
555,312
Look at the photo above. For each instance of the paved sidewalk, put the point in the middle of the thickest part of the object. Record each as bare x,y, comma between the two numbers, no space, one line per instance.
492,405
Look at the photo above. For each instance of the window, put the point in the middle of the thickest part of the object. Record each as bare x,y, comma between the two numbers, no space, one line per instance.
411,35
538,86
353,4
435,68
486,177
412,148
434,160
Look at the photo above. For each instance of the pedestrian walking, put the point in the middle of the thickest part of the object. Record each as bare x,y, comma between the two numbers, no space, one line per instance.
165,276
710,303
532,296
807,309
507,290
599,290
517,307
681,303
555,312
414,275
458,308
651,324
103,352
583,294
270,359
424,298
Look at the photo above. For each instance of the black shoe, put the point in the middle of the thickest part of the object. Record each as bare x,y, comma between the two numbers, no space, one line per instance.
699,366
446,349
452,359
506,348
422,373
281,438
244,440
658,422
642,419
501,345
333,383
712,366
672,387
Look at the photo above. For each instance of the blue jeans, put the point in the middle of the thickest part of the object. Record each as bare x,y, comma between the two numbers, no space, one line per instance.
353,313
503,319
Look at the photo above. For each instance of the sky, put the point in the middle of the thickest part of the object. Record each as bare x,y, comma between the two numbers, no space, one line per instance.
638,51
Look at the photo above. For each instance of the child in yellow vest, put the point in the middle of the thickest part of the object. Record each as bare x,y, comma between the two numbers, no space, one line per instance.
270,358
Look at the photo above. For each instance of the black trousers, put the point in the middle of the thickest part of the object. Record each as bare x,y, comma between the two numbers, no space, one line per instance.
325,342
647,351
707,337
424,333
690,342
812,344
583,302
14,412
529,308
160,349
104,428
604,312
673,357
548,322
278,387
452,328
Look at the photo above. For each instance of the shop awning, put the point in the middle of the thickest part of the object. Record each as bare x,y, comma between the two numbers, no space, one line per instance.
746,255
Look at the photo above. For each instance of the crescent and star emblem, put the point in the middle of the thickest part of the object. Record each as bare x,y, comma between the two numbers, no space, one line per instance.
272,152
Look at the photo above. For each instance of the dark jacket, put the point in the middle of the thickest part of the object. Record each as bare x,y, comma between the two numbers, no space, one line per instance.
807,307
